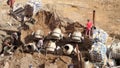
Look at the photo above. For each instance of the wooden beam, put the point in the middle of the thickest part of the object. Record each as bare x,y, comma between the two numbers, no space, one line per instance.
93,17
79,57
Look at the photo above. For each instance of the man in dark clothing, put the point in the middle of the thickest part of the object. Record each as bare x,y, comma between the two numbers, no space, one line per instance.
11,43
16,39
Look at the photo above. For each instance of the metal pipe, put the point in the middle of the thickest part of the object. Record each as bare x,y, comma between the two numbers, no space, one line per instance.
79,57
93,17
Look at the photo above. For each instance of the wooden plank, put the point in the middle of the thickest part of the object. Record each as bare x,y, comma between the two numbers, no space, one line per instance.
93,17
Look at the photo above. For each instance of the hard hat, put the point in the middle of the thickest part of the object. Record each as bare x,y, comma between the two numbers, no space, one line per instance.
29,3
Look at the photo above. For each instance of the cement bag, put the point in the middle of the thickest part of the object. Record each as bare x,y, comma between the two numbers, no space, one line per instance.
76,36
98,52
51,46
100,35
68,49
57,34
115,50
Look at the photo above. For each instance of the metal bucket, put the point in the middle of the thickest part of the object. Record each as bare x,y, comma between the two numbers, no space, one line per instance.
56,33
76,36
39,34
68,48
51,46
30,47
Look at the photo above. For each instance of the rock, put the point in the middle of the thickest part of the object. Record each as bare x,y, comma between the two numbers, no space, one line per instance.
1,47
66,59
3,33
6,65
26,61
29,25
51,65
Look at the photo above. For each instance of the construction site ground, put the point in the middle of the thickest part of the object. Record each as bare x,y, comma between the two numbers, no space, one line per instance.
107,18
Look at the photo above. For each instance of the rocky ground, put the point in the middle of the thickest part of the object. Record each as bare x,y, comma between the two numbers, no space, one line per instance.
107,18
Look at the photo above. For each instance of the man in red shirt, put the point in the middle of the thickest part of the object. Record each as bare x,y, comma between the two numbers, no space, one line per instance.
11,3
88,27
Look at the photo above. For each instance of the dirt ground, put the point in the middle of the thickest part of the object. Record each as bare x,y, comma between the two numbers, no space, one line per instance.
107,18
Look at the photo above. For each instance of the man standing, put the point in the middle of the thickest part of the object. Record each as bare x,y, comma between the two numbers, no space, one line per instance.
89,27
11,3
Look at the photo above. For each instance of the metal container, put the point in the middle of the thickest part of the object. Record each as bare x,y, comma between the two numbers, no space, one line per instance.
76,36
38,34
56,33
51,46
68,49
30,47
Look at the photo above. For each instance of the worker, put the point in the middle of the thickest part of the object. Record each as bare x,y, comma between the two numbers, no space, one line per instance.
12,42
7,46
16,39
11,3
38,39
89,27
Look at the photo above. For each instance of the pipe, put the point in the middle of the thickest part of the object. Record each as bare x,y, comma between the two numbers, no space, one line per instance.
79,57
68,48
93,17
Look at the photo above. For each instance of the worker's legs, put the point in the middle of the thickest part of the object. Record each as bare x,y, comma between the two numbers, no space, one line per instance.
89,33
86,33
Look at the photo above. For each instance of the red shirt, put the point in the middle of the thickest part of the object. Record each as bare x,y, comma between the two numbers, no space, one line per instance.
11,2
89,25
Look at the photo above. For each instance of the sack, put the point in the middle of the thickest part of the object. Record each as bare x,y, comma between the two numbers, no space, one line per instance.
98,52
